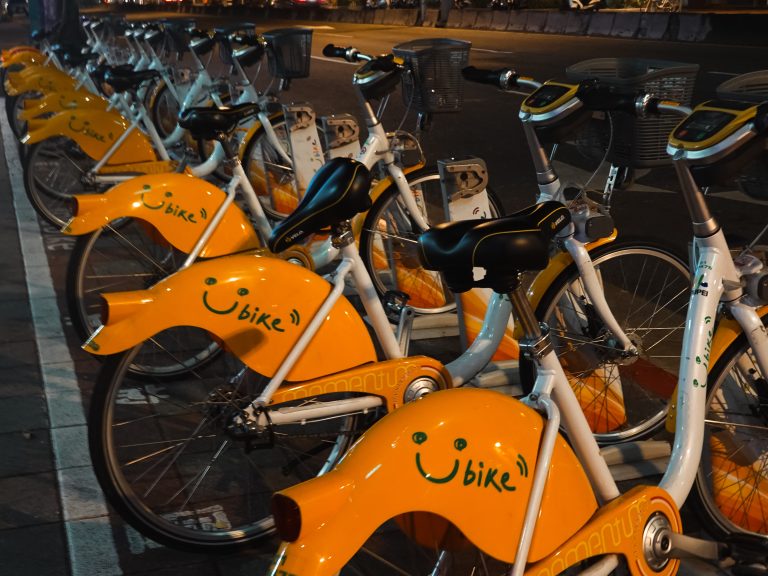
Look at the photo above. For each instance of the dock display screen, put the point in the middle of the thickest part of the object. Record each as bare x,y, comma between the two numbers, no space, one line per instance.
702,125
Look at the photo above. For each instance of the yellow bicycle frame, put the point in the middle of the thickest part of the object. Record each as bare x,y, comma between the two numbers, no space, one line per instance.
179,206
95,131
243,301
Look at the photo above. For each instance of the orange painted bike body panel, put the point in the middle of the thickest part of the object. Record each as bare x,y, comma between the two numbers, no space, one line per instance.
258,307
95,131
179,206
451,454
388,379
35,78
59,101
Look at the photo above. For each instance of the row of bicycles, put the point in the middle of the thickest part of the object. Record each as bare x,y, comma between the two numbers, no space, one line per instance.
249,275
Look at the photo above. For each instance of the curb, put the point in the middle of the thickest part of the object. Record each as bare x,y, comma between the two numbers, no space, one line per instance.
626,25
600,24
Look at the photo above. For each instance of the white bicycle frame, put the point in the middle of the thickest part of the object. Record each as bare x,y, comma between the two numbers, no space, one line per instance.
463,369
199,89
717,282
550,188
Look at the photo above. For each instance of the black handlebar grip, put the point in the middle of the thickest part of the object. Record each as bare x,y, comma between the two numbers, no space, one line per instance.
652,106
601,97
501,78
331,51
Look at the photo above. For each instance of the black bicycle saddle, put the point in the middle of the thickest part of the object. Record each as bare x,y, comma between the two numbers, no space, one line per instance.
504,246
211,122
337,192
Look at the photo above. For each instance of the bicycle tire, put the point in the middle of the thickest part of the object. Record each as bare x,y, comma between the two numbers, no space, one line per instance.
126,255
729,491
388,239
647,288
169,465
14,105
53,170
163,108
390,551
270,177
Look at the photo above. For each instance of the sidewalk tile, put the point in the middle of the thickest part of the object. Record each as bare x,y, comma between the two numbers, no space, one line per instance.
28,500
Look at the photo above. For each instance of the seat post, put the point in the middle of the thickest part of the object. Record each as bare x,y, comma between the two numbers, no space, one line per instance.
523,312
229,151
535,343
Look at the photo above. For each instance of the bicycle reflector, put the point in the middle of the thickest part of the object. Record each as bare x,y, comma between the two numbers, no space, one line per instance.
287,517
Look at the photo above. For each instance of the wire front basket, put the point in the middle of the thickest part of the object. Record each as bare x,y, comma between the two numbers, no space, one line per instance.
288,52
434,83
641,142
749,87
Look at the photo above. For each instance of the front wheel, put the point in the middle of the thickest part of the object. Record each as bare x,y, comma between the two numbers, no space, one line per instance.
389,246
53,172
173,462
624,397
273,177
731,488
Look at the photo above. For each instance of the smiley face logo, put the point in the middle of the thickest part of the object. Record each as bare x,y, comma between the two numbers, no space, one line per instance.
147,188
211,281
476,473
459,444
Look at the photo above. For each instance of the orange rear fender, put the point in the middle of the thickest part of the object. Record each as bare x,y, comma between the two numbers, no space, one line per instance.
257,306
179,206
20,54
59,101
95,131
464,455
38,79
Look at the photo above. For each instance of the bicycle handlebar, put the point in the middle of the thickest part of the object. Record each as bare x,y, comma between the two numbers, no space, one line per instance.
349,54
503,78
602,97
605,98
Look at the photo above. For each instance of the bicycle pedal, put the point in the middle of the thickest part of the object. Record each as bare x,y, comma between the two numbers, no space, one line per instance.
744,555
748,548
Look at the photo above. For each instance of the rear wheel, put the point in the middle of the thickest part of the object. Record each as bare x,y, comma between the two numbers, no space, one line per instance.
126,255
731,489
53,173
392,552
163,108
14,106
175,465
